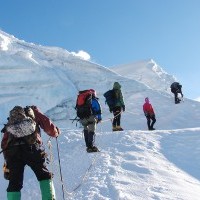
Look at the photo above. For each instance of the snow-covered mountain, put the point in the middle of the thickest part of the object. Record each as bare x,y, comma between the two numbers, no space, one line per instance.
134,164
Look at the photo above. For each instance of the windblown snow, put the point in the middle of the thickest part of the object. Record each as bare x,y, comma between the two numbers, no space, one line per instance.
134,164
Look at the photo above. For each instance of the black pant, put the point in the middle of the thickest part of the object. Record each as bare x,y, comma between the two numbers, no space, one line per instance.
151,120
175,92
18,157
117,116
89,138
177,100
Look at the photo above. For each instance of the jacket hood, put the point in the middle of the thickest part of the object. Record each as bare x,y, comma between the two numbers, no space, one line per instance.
146,100
117,86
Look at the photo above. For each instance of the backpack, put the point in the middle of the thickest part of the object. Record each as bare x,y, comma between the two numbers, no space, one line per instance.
21,125
84,104
175,87
110,98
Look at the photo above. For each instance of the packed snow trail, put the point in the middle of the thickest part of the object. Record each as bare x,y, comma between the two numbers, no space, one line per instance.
131,165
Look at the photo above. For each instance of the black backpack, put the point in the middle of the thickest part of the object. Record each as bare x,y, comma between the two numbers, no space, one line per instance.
84,104
176,87
110,97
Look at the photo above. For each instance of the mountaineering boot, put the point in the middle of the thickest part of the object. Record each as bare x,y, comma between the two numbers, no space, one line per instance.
92,149
119,128
14,195
95,149
47,190
177,101
114,128
89,149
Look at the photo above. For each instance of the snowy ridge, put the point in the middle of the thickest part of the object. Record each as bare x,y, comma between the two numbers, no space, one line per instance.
4,43
133,164
147,72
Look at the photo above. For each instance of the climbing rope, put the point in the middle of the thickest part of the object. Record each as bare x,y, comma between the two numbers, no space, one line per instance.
84,177
111,118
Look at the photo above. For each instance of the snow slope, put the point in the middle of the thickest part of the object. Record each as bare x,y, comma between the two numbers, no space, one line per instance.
133,164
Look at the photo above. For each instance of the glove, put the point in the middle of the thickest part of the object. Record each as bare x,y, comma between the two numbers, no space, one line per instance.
98,120
110,110
6,171
123,107
182,95
58,131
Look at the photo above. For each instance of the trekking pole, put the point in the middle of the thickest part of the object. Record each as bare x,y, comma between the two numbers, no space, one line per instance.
60,169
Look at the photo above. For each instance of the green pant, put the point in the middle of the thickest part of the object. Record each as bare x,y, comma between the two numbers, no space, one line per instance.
47,190
14,195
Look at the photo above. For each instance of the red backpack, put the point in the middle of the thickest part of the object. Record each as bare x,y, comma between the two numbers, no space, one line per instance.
84,104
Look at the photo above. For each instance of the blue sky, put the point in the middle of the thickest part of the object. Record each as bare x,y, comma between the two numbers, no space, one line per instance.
115,32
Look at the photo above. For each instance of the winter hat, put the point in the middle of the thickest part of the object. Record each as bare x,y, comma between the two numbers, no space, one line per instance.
147,99
116,86
16,114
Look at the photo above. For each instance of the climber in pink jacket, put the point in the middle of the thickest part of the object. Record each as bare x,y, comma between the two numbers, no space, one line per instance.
149,113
